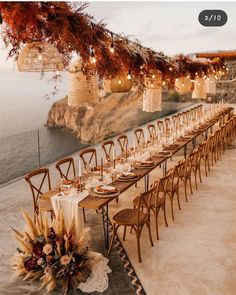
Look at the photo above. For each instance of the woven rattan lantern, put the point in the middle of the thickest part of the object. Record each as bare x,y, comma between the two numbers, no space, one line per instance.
39,57
120,84
183,85
152,96
211,85
83,90
199,91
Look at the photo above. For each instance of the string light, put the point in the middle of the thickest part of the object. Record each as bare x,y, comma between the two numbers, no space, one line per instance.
57,73
129,77
170,68
112,50
119,82
40,57
153,76
93,58
163,83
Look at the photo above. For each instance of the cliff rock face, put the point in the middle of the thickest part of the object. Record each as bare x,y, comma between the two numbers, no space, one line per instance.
116,113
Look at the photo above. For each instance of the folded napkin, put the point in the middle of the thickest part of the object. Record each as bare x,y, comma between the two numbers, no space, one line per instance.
71,211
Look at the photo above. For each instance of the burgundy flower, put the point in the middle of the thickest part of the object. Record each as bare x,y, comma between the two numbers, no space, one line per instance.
31,264
38,249
52,235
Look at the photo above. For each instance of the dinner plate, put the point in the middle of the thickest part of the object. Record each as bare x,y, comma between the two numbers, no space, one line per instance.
108,190
102,195
146,164
165,154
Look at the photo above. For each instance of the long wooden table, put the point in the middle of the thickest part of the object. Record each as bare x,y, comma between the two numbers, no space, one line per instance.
101,203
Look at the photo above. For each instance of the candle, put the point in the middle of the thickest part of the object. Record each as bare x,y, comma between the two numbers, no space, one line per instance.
101,169
80,168
113,153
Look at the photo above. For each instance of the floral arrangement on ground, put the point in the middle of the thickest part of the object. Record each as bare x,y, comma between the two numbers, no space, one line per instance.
48,252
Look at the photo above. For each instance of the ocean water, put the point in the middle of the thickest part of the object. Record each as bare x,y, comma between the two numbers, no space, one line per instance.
23,110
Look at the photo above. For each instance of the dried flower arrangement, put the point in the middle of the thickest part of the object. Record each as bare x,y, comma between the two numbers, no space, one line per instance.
49,253
71,30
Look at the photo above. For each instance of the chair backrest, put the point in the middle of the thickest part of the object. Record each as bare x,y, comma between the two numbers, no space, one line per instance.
38,180
145,199
152,131
108,147
89,157
167,124
139,135
123,143
66,168
161,189
160,126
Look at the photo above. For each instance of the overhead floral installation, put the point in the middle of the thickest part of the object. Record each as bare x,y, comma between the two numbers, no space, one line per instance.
71,30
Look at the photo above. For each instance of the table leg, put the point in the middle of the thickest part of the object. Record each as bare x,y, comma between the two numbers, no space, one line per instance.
105,223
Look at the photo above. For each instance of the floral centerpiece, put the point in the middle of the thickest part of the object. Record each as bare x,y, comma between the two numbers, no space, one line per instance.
48,252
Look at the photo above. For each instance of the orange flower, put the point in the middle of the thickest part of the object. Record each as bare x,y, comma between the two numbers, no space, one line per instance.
65,259
47,249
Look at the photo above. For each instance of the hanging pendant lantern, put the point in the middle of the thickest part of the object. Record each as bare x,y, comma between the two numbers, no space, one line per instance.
152,96
83,90
39,57
183,85
118,85
211,85
199,91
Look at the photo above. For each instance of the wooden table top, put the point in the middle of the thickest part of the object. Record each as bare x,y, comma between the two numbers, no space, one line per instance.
97,203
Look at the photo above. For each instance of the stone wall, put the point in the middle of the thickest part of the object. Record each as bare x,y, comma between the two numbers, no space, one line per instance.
226,87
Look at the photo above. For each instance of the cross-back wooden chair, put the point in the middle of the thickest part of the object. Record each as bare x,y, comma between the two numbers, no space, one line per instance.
196,163
39,180
89,158
136,218
172,186
139,135
152,131
69,165
167,124
186,174
66,168
123,143
108,148
158,201
205,155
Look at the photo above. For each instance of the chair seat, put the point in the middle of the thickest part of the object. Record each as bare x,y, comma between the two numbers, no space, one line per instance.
45,206
129,217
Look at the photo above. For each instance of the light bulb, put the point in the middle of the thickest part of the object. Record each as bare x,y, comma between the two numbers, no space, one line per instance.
57,73
129,77
112,50
176,79
153,76
163,83
152,85
119,81
40,57
93,60
170,68
182,84
199,84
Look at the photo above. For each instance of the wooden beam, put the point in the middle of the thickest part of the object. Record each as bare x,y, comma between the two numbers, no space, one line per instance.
212,55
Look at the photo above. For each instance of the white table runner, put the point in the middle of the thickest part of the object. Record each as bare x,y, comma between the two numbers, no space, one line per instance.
70,209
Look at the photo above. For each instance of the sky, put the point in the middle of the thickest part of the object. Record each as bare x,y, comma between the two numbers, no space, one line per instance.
171,27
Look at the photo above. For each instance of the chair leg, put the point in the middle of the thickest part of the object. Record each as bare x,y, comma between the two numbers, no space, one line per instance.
172,209
178,200
185,190
138,244
199,171
195,177
190,182
149,232
164,210
84,215
124,233
156,222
